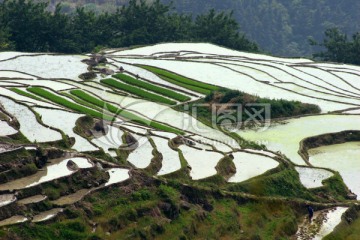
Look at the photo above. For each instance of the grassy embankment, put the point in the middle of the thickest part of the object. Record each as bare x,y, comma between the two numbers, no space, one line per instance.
161,213
279,108
162,209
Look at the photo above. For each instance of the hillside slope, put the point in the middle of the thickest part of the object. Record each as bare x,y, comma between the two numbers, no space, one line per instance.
116,146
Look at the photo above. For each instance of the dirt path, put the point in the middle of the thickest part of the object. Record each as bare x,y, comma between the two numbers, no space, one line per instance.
321,225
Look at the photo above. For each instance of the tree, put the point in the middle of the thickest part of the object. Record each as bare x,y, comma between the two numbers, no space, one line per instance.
62,37
5,43
28,24
30,27
338,48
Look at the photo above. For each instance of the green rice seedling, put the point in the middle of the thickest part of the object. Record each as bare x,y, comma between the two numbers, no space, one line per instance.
179,78
66,103
151,87
137,91
123,113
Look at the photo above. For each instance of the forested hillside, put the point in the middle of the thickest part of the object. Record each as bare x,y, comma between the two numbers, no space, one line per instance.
280,27
283,27
29,26
81,26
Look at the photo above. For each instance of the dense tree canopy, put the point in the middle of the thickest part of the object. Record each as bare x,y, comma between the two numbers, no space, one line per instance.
282,27
338,48
29,26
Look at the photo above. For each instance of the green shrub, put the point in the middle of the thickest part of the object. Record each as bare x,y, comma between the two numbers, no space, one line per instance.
137,91
141,195
181,79
151,87
279,108
52,193
76,226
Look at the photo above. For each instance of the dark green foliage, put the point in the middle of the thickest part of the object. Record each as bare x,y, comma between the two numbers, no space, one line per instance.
221,29
282,27
164,91
14,155
339,48
137,91
57,231
29,26
280,108
5,43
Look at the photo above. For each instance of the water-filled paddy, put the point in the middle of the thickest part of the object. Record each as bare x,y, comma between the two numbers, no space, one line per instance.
344,158
287,137
251,165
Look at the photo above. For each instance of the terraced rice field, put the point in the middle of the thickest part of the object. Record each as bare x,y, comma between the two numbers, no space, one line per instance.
137,91
29,125
251,165
202,162
5,129
46,66
141,157
117,175
65,121
342,157
6,199
160,90
171,160
55,170
323,223
44,98
286,137
112,140
312,177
